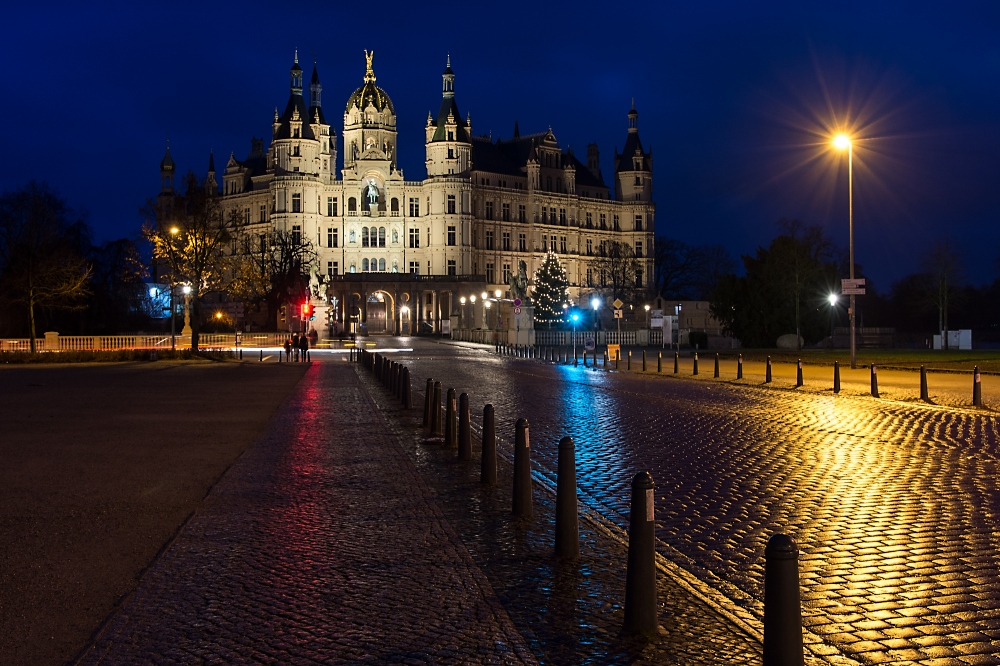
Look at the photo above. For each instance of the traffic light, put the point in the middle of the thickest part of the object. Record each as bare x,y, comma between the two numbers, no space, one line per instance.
308,312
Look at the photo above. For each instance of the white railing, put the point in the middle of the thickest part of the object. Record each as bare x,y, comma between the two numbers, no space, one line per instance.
142,341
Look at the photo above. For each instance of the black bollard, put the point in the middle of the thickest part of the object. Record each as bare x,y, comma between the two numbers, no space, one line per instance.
407,395
450,427
241,354
640,577
522,470
977,389
659,362
924,395
767,371
716,375
567,520
677,362
874,381
798,375
488,464
782,611
628,362
261,355
695,363
644,360
464,428
436,410
739,366
427,402
618,358
576,361
279,356
836,377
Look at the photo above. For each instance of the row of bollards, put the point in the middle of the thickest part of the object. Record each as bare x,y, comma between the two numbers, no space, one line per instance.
782,613
394,376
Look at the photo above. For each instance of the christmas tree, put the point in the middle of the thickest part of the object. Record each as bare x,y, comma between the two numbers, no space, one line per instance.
550,291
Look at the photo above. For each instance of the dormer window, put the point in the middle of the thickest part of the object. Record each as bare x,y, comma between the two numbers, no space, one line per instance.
451,135
295,133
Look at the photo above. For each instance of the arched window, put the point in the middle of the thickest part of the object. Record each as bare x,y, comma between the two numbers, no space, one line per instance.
364,265
394,206
374,264
381,236
352,205
381,264
364,236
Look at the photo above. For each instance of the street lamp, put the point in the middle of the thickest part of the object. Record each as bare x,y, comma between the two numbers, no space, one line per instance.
574,318
187,310
647,315
404,312
844,142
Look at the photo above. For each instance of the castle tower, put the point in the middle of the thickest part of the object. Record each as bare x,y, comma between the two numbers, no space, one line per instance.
633,167
211,184
369,122
167,169
447,137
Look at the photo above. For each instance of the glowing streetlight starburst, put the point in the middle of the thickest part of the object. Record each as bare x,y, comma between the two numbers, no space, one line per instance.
841,141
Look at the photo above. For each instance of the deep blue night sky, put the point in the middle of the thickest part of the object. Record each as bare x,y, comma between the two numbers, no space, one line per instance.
733,98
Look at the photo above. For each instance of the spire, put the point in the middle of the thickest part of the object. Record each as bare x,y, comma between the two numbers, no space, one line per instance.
315,89
633,119
167,163
517,132
211,162
167,171
448,80
296,75
369,72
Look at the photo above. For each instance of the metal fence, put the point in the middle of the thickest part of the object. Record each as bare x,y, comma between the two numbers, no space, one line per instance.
565,338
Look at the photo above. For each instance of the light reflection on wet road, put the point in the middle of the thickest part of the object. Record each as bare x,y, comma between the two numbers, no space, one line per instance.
894,505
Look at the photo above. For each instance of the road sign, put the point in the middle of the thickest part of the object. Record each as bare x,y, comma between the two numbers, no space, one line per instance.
656,322
848,283
618,304
589,344
517,310
853,291
613,351
517,301
618,314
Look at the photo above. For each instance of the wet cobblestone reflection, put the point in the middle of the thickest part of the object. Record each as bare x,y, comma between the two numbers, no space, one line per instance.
895,506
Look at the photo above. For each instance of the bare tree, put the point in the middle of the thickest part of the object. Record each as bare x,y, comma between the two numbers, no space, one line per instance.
190,235
40,265
270,268
806,254
617,270
942,265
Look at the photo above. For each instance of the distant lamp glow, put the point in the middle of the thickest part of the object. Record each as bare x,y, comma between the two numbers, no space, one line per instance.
472,298
485,295
218,315
186,289
833,299
595,303
575,317
462,300
841,142
404,309
647,308
498,293
174,230
487,304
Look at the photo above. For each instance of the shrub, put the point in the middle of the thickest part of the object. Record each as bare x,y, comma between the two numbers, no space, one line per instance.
699,339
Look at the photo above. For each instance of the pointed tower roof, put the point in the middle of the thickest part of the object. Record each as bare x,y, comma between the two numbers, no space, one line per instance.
211,162
449,109
167,163
316,98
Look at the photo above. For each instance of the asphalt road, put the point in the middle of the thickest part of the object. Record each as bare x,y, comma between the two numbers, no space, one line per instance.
102,463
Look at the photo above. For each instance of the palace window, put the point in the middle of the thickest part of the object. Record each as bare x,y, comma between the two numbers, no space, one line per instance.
489,210
364,265
296,234
506,274
506,240
381,236
604,220
451,153
562,216
394,207
638,277
381,264
451,204
552,243
263,214
505,212
452,269
415,268
414,207
590,277
489,239
451,235
590,247
638,248
489,273
331,237
590,220
296,203
364,236
414,237
617,225
352,205
522,242
522,213
638,222
562,244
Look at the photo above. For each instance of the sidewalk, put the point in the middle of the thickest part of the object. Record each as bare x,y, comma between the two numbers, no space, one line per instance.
322,544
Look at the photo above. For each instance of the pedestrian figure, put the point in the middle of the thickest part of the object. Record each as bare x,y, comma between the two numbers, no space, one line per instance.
288,349
303,345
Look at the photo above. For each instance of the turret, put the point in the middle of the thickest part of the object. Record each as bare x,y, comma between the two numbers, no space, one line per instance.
633,167
167,168
449,145
211,185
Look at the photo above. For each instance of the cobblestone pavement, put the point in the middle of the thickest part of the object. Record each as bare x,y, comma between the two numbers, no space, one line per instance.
321,545
895,506
570,612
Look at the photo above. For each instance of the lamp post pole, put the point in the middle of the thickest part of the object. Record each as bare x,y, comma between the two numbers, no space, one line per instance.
850,217
173,314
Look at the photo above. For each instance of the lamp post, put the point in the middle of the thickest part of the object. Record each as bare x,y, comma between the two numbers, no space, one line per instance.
173,285
647,315
405,312
186,331
844,142
486,310
833,308
462,301
574,318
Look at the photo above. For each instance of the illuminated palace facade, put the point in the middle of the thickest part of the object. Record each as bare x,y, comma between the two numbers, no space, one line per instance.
483,207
